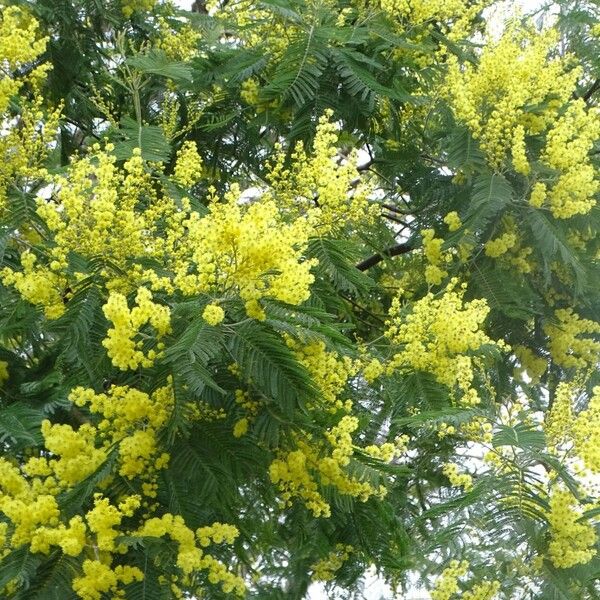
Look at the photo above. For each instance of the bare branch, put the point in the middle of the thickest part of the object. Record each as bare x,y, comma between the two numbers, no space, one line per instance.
377,258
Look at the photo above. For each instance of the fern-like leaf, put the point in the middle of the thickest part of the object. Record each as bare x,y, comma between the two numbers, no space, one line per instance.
271,366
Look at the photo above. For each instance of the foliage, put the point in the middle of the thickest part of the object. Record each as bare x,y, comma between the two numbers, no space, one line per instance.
295,289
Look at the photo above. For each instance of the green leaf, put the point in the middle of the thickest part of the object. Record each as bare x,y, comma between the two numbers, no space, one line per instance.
271,367
19,565
352,67
337,260
282,8
422,389
553,244
552,462
491,194
462,151
457,503
53,580
504,290
243,64
299,69
520,436
149,138
157,62
21,423
176,494
80,331
21,208
190,355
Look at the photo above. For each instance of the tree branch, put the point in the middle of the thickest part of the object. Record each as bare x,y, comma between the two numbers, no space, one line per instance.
395,220
377,258
366,166
592,90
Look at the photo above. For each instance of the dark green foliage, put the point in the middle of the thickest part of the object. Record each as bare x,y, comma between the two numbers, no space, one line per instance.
371,69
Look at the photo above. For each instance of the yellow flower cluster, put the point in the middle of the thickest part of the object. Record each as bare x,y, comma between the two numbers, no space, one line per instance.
539,192
387,451
241,427
559,421
248,249
169,120
326,189
568,144
190,556
443,430
203,411
244,399
519,151
486,590
432,249
567,346
521,259
250,406
3,371
571,540
98,579
104,517
255,25
325,568
455,16
31,507
328,370
120,343
101,210
500,245
331,467
95,212
180,44
586,433
130,418
463,480
19,44
40,286
510,241
477,429
535,366
294,472
77,452
249,91
447,584
250,94
188,165
28,132
27,505
579,238
583,430
372,369
213,314
71,539
439,335
453,221
492,97
292,476
129,7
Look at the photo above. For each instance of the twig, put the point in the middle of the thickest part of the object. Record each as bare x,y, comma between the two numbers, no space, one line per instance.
377,258
592,90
